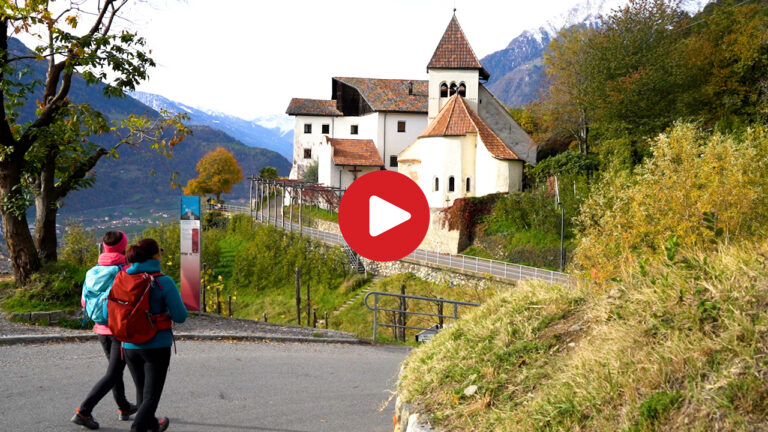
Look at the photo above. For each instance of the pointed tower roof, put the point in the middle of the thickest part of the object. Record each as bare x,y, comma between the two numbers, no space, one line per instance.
457,119
454,51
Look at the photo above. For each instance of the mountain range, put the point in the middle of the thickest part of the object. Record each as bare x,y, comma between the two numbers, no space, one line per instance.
129,180
517,71
272,132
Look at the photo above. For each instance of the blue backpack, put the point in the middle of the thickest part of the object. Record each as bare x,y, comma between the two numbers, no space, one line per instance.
98,282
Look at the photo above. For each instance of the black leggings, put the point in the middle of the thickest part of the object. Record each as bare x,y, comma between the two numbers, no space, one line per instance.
149,368
112,380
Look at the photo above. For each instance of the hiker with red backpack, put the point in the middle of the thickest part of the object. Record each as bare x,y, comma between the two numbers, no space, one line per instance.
98,282
142,305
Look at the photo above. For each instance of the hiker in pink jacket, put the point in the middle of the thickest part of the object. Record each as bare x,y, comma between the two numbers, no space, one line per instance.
110,262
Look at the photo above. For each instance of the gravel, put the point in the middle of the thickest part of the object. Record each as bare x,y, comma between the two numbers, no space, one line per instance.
196,324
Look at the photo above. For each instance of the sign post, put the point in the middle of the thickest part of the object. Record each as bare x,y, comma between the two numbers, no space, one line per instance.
190,252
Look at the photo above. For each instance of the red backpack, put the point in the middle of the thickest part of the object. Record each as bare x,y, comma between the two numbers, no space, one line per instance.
128,312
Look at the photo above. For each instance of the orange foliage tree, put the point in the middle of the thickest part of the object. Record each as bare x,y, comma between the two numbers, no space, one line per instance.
218,172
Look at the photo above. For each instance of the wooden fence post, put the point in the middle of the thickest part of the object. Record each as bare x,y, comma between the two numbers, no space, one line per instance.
298,296
309,306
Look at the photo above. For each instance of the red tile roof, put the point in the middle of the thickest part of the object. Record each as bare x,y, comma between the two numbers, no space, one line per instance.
454,51
392,95
314,107
359,152
458,119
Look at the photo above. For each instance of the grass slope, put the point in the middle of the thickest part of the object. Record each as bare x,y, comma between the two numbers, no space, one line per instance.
674,346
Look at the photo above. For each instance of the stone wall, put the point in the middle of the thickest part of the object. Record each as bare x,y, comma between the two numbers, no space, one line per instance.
430,272
324,225
51,317
438,238
406,420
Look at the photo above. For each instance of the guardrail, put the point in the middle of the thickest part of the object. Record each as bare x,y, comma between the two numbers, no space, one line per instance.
404,310
495,268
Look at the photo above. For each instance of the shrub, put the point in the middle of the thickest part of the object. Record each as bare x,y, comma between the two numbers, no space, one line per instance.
78,247
56,286
210,250
523,211
270,257
241,225
214,220
568,163
695,186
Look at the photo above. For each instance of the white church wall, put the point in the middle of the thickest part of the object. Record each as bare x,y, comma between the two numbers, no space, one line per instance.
470,77
515,176
325,167
494,174
441,157
468,165
367,127
393,142
302,141
496,116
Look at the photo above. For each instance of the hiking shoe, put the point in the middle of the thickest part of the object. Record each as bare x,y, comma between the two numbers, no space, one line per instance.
126,415
87,421
163,424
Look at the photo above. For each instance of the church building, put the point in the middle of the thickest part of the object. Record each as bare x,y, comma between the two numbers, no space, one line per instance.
448,133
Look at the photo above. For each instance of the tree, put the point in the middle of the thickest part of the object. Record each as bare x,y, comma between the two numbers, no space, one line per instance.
52,154
568,103
310,173
219,171
623,79
268,172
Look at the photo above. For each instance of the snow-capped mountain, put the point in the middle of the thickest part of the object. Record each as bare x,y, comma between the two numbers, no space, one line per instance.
517,71
284,122
254,133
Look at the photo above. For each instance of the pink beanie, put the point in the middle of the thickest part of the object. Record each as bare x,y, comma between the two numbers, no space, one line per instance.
119,247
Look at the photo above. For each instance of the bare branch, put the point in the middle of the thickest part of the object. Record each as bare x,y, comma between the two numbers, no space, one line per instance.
100,18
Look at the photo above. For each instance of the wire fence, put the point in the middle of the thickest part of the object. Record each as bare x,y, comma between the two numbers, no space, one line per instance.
497,269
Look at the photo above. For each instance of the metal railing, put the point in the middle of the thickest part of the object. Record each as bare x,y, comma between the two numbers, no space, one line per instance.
440,316
497,269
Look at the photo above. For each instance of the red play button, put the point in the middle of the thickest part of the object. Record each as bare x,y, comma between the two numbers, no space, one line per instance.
384,216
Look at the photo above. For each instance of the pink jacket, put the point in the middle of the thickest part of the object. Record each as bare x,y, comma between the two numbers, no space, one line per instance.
107,259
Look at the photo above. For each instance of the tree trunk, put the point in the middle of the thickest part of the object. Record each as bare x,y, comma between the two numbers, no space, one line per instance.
46,206
21,246
45,228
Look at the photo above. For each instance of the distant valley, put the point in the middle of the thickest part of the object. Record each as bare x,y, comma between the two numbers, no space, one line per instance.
272,132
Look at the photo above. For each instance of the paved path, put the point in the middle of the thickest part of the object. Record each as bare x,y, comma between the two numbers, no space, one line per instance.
212,386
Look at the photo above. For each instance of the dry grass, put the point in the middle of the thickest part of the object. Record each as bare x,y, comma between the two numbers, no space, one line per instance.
673,346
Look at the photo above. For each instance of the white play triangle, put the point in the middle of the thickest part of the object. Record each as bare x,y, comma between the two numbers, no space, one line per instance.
383,216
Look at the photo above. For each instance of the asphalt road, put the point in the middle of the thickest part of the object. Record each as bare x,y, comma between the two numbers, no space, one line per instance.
211,386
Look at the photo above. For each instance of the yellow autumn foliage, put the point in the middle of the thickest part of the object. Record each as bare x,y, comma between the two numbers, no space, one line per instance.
691,173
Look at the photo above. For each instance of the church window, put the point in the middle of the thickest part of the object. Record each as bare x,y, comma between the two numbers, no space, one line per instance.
443,90
307,127
353,129
393,161
307,153
462,90
453,89
469,184
437,184
401,126
326,129
451,184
